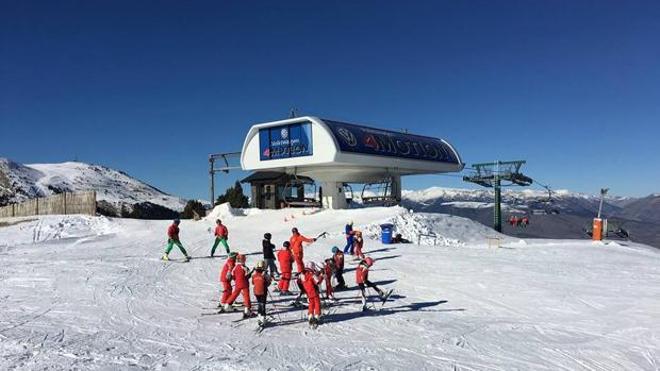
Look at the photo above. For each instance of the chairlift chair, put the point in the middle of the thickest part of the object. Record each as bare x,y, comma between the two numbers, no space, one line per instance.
379,194
300,200
348,193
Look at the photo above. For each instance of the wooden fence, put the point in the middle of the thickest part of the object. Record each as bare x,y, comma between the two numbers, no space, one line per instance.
60,204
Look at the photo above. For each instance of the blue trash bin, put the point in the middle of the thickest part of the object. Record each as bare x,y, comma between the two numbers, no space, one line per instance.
386,233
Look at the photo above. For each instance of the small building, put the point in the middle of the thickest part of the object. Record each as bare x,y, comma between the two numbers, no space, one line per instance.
275,190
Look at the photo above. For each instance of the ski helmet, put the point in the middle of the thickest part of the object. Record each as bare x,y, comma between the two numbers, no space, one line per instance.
294,230
268,236
335,249
369,261
233,255
240,258
286,244
177,221
218,221
260,265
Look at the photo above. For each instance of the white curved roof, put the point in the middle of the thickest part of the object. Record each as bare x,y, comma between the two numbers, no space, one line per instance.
327,150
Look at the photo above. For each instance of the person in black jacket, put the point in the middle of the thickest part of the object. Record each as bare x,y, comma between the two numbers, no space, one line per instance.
269,255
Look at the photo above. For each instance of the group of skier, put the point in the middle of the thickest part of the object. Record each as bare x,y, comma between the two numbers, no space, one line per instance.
314,281
516,221
221,236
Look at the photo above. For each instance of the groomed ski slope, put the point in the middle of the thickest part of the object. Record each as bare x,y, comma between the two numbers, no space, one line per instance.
91,293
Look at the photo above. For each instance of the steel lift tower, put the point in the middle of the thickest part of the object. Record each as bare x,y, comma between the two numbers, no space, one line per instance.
492,174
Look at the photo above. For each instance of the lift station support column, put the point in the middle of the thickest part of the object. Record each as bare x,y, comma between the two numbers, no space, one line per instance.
333,196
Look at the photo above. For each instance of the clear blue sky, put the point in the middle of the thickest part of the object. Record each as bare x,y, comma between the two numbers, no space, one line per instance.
153,87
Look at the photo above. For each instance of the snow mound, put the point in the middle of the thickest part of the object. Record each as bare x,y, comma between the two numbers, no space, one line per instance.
225,211
49,228
448,230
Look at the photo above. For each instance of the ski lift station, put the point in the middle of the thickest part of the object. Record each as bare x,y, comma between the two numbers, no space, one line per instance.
308,161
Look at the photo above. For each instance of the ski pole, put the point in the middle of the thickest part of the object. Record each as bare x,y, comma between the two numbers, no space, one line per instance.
276,307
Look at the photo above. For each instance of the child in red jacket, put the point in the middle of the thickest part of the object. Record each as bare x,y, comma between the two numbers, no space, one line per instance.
285,258
358,243
311,277
362,279
260,283
241,276
225,278
338,257
328,271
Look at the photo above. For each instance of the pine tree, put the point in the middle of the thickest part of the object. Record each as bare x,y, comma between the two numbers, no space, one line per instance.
191,208
234,195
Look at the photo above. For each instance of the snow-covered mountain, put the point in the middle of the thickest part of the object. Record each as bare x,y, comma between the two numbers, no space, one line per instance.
520,200
114,189
564,214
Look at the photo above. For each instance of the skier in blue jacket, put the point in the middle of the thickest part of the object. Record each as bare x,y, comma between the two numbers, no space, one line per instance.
349,238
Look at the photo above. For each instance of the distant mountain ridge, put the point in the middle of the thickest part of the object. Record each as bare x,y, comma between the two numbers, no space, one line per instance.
118,193
564,214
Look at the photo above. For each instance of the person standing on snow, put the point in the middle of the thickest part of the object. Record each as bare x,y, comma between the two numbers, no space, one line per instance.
362,280
241,276
311,278
328,271
358,243
221,236
173,239
260,283
296,242
338,257
285,258
269,254
348,230
225,278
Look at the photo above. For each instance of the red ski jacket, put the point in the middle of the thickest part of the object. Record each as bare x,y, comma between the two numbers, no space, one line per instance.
173,232
285,259
221,231
227,268
361,273
296,242
241,276
358,242
339,260
327,270
311,283
260,282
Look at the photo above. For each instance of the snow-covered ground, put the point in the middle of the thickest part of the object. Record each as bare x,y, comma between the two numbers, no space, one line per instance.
91,293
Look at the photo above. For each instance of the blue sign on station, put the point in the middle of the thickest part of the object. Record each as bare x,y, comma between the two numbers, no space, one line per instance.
286,141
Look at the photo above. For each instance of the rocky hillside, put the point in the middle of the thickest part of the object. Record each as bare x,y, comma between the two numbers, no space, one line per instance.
118,194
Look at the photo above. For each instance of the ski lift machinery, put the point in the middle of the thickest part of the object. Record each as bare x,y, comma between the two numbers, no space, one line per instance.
303,189
380,193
